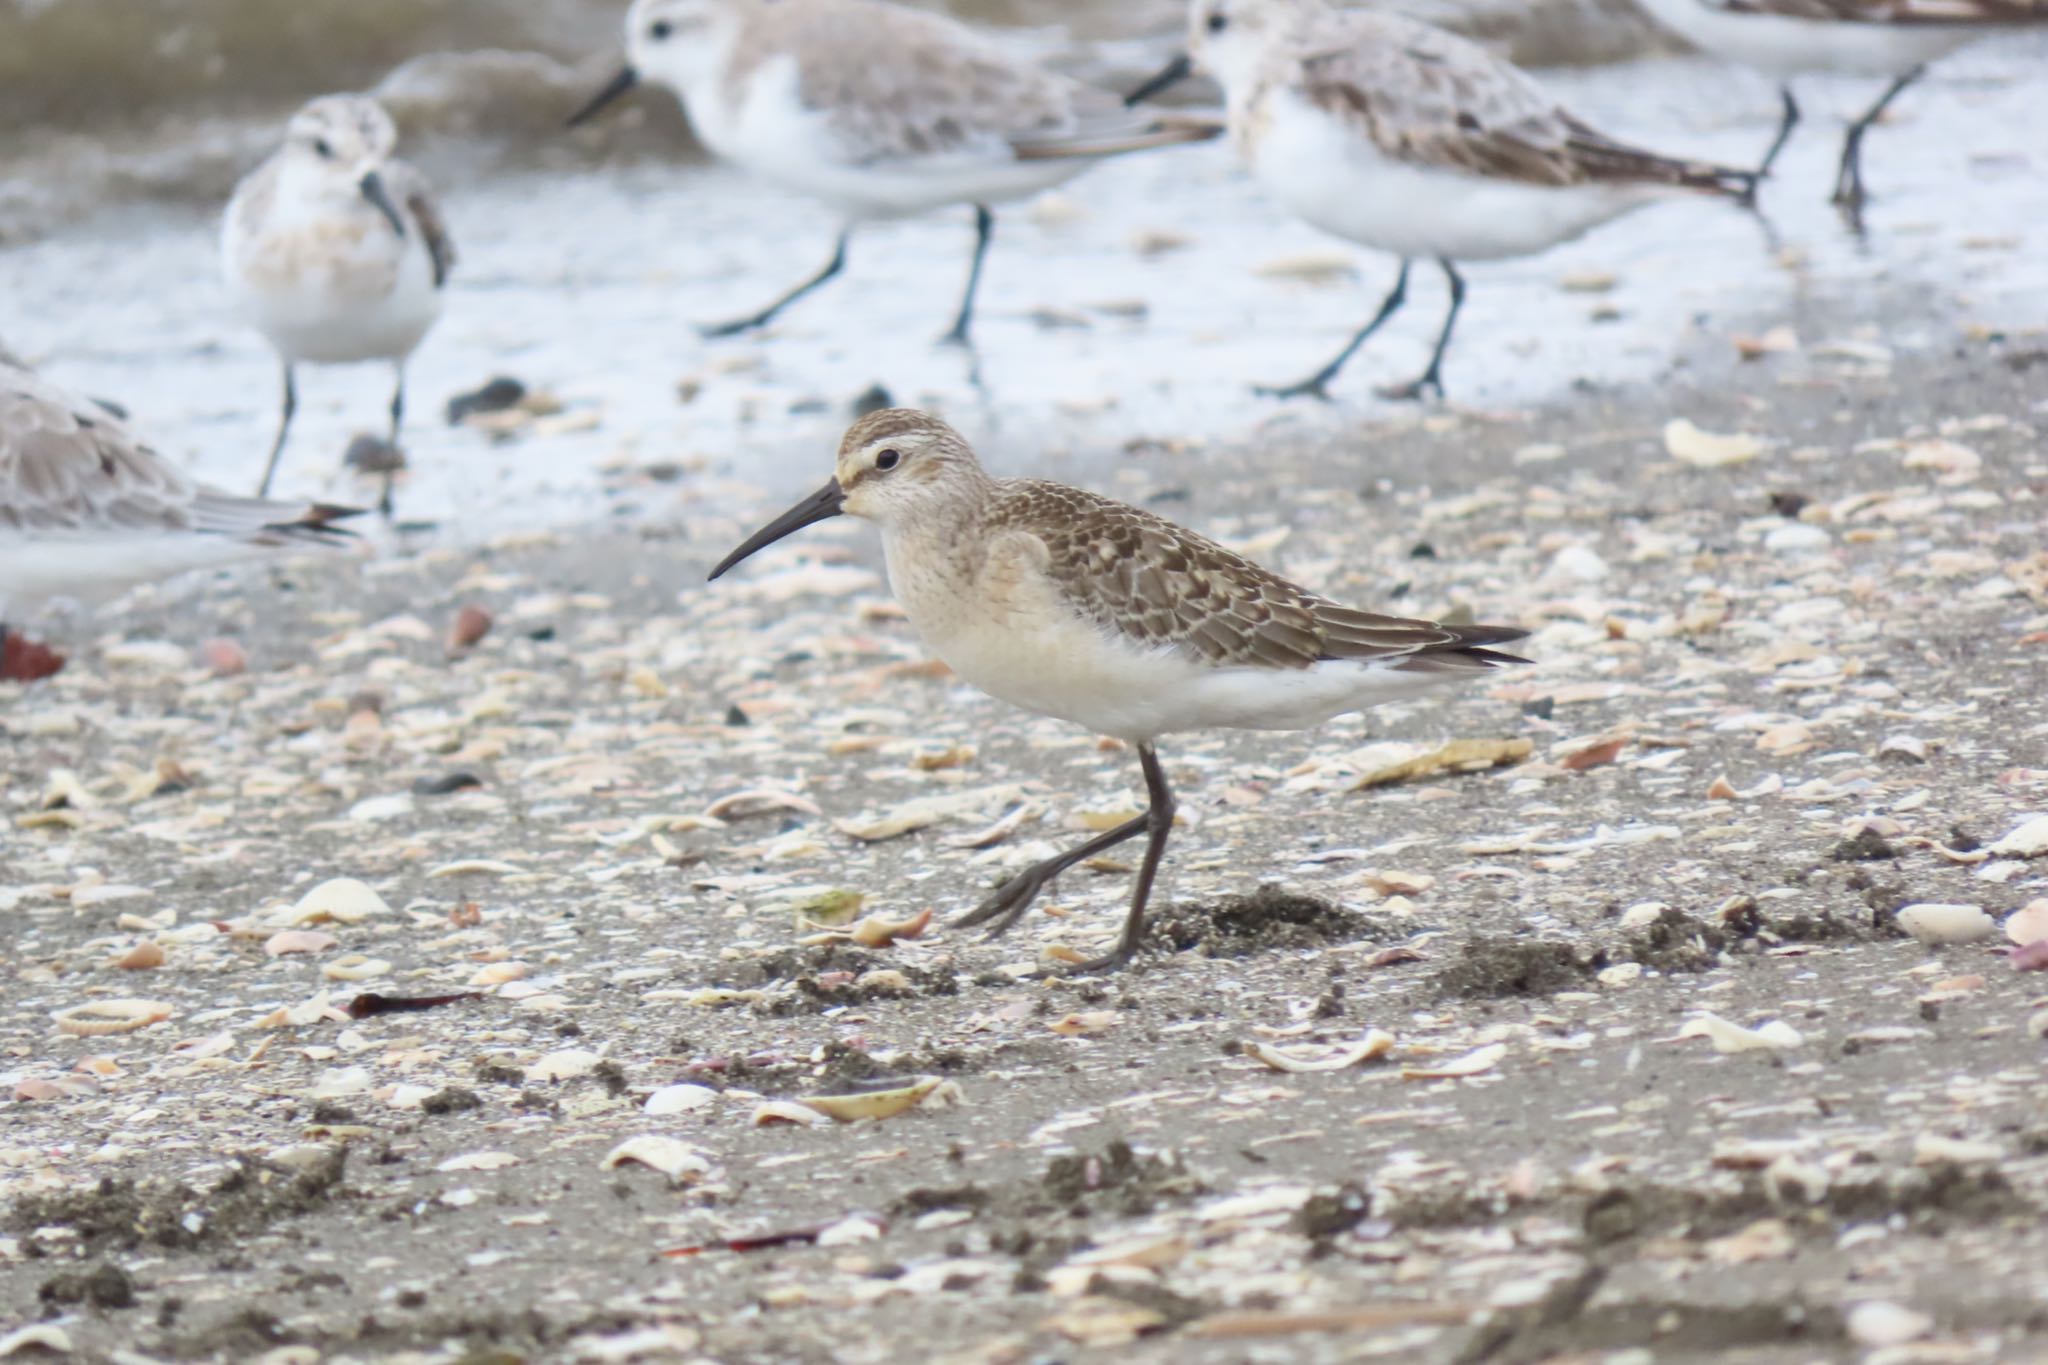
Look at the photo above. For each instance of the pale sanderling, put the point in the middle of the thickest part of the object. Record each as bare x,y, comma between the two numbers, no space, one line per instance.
1387,132
1889,38
877,110
87,508
1066,603
336,251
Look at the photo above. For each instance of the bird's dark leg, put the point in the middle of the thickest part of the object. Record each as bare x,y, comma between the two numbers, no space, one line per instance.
1008,902
767,315
1159,820
1317,385
984,228
397,420
1849,194
1433,377
284,426
1785,127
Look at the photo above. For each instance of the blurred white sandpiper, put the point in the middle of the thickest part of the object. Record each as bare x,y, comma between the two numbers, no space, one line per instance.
336,251
86,507
1067,603
1387,132
1894,38
878,110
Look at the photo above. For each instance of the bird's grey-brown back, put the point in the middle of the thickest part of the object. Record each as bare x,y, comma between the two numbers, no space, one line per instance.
1429,98
70,468
896,82
1162,586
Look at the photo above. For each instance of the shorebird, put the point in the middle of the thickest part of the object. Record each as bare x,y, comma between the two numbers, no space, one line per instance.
1890,38
879,111
86,507
336,251
1386,132
1069,604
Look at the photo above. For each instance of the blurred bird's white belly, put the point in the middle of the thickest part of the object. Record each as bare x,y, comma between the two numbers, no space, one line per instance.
1785,46
1333,177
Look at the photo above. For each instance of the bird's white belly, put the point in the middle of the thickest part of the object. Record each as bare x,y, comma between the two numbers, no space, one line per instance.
335,296
1334,178
1078,672
89,565
1785,46
770,132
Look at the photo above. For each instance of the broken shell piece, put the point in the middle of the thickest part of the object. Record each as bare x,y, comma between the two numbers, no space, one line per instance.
339,1082
342,899
926,810
1471,1064
1727,1037
355,967
927,1092
149,953
678,1099
1932,1149
2029,840
2029,923
674,1158
1460,755
1687,444
497,973
100,1017
298,941
1085,1021
874,931
1934,923
479,1161
788,1111
1878,1323
563,1065
1334,1057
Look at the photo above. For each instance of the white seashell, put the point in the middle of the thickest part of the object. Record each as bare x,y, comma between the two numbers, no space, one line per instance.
1878,1323
497,973
343,899
2028,840
1931,1149
338,1082
673,1157
376,808
42,1336
101,1017
355,967
1687,444
679,1099
855,1227
1727,1037
479,1161
1471,1064
1314,1057
1641,915
562,1066
1931,922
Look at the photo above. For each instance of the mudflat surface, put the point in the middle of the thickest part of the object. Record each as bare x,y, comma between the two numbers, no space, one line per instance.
1792,675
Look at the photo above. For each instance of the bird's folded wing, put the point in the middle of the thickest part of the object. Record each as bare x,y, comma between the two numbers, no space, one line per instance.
65,466
1161,586
411,189
1930,13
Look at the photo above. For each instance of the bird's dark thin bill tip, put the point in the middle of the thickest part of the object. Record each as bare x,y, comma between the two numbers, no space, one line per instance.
827,502
372,186
618,85
1173,73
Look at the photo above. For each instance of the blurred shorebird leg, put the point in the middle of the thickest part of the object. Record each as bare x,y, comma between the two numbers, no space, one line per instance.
1317,385
1433,377
1849,174
284,426
1158,818
984,228
767,315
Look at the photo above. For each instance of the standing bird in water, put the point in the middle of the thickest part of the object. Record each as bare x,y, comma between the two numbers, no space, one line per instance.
1890,38
1390,133
878,111
336,251
88,508
1069,604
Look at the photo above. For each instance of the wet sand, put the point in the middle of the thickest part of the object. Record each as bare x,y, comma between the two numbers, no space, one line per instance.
1776,700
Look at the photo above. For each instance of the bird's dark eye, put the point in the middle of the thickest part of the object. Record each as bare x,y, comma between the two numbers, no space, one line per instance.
888,460
324,148
1218,22
660,29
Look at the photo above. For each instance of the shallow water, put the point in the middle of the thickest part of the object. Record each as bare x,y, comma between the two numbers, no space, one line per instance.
586,283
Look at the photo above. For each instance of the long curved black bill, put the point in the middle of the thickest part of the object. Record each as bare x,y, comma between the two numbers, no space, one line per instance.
617,86
1173,73
827,502
372,186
